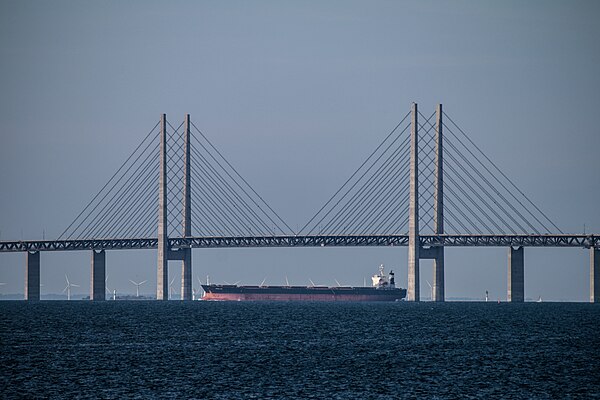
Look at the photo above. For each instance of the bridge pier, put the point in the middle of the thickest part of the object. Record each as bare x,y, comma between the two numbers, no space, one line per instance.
32,276
98,276
594,275
438,275
186,275
516,275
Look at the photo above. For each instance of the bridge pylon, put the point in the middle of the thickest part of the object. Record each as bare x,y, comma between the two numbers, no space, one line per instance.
438,209
165,253
415,251
413,292
162,279
186,265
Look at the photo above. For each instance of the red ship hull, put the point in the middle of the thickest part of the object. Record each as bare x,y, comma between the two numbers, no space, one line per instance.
295,293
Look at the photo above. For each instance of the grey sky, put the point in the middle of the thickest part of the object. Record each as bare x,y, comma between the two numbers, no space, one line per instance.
296,94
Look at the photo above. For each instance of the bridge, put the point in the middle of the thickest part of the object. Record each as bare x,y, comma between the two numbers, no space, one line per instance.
426,186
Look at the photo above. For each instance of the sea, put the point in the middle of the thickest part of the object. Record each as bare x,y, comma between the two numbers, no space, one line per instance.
243,350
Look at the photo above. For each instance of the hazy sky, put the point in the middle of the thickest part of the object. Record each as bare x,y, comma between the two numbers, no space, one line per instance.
296,95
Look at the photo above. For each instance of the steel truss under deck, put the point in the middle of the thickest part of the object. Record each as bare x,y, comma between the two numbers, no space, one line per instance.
582,241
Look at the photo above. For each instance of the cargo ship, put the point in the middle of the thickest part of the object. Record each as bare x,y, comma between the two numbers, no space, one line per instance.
383,289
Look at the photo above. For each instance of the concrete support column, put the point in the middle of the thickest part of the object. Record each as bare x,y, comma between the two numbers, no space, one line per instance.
186,275
186,267
162,281
438,276
98,276
594,275
32,276
438,209
413,292
516,275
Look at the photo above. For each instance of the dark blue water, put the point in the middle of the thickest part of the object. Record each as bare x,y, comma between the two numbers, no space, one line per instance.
299,350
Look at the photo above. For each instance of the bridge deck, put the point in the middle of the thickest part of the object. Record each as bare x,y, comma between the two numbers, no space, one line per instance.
583,241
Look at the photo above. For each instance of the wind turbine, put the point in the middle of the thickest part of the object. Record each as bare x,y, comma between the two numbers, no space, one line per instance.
431,288
113,292
171,290
137,287
68,288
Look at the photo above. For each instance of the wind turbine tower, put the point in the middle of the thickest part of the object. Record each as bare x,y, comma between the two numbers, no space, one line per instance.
68,287
137,287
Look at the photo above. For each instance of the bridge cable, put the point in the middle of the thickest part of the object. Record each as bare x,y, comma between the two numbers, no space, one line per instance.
509,215
380,207
110,180
383,196
116,193
492,209
144,212
475,203
225,203
256,218
247,184
253,216
99,222
355,172
465,194
229,198
220,213
504,175
360,197
488,183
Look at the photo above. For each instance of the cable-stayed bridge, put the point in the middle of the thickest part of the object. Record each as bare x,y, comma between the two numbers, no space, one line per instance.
426,186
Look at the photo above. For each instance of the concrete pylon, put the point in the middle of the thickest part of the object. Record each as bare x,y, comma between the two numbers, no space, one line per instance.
186,267
413,292
438,209
32,276
98,276
162,281
594,275
516,275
